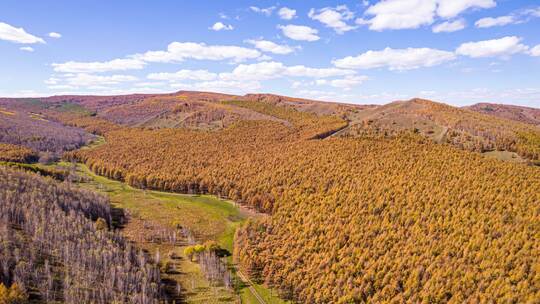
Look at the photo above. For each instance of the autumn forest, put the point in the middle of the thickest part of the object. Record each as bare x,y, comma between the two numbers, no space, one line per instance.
410,202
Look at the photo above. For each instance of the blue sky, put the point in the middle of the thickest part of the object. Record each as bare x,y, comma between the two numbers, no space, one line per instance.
455,51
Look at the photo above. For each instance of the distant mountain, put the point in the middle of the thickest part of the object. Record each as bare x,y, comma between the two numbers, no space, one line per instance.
517,113
199,110
481,128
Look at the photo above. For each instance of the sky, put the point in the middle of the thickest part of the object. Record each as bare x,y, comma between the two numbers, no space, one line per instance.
368,52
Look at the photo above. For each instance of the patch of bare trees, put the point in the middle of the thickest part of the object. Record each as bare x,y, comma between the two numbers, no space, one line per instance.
53,246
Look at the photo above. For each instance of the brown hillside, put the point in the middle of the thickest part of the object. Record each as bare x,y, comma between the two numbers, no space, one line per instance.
442,123
517,113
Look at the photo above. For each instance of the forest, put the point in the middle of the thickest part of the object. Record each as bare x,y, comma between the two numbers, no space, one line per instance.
57,247
374,219
379,216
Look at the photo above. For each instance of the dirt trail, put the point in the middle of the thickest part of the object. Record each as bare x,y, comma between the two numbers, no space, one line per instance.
253,291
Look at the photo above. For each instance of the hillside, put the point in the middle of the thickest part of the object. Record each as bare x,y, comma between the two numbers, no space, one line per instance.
195,110
442,123
56,247
517,113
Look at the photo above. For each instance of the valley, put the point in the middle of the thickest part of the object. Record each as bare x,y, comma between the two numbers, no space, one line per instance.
146,213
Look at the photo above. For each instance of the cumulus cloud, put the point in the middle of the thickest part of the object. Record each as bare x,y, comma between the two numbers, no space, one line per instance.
265,11
324,95
348,82
180,51
220,26
335,18
286,13
502,47
272,70
396,59
490,22
184,75
299,32
400,14
452,8
449,26
535,51
98,67
535,12
27,49
55,35
516,17
410,14
90,80
17,35
271,47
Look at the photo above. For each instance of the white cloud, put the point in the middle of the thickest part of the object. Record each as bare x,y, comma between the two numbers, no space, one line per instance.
348,82
323,95
269,46
401,14
97,67
535,51
150,84
265,11
286,13
17,35
334,18
272,69
179,51
52,81
490,22
61,87
264,58
299,32
55,35
303,71
535,12
89,80
396,59
27,49
520,16
449,26
410,14
184,75
220,26
502,47
452,8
